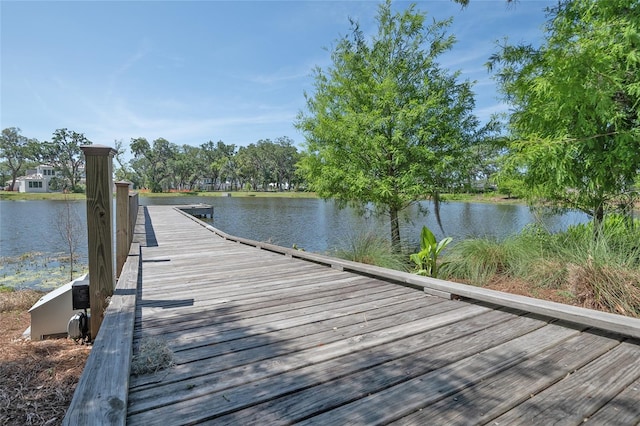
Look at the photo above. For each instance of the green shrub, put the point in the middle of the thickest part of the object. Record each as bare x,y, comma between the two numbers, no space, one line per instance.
372,249
600,272
475,260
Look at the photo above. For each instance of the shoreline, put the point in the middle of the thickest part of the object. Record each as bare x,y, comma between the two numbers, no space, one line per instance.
488,198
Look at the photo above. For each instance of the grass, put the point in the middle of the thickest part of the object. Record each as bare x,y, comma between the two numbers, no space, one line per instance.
22,196
372,249
600,273
569,267
257,194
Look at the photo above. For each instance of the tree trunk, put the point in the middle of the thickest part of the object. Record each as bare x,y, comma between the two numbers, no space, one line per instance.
395,229
598,220
14,177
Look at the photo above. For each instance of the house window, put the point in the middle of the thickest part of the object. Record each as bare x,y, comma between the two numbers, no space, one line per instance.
36,184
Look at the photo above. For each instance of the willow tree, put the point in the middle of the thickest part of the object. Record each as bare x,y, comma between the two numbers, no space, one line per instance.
576,101
386,123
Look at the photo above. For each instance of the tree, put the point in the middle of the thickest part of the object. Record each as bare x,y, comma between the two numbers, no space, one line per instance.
123,171
17,150
185,168
152,162
215,157
64,153
250,166
576,101
285,157
386,124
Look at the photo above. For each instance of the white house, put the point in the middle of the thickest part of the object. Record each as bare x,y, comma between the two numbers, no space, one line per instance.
36,180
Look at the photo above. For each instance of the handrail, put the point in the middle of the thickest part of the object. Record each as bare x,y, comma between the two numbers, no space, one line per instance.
101,395
126,215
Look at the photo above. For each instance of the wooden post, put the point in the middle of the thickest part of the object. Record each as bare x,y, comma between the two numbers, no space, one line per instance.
122,225
98,169
133,215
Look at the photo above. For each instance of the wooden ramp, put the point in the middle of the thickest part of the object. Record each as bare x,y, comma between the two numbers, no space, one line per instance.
263,338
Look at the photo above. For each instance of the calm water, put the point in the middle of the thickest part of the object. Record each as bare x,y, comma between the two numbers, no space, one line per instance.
315,225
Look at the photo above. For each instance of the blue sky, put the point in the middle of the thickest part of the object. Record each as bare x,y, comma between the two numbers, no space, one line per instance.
207,70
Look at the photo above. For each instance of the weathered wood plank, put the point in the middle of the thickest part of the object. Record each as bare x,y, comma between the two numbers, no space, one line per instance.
280,355
102,393
409,396
202,328
622,410
313,333
357,375
155,317
319,333
260,387
262,288
297,359
491,398
98,160
582,393
271,300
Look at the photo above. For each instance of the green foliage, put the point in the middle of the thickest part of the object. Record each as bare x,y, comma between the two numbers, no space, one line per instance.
576,98
372,249
17,151
475,260
386,124
426,260
601,273
620,232
64,153
152,162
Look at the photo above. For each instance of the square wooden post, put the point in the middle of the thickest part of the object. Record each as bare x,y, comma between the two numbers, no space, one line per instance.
98,170
123,239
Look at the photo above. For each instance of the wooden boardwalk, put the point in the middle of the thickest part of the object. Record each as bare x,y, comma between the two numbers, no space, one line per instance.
265,338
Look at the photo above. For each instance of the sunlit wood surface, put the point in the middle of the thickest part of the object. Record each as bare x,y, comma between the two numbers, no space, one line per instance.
262,338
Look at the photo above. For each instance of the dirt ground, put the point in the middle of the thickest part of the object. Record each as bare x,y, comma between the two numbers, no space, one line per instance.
38,378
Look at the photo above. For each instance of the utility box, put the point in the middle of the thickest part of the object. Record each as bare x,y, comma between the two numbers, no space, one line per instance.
80,295
50,315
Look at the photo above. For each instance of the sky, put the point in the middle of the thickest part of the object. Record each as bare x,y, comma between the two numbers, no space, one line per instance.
195,71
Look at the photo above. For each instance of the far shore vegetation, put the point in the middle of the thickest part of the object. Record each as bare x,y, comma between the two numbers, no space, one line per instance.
477,197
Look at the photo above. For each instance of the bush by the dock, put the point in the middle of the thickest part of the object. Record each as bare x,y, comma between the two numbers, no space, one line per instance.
372,249
580,267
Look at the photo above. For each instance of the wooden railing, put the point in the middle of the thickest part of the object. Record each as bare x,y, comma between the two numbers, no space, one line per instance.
101,394
126,214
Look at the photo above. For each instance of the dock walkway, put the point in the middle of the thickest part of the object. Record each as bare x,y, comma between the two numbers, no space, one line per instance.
262,337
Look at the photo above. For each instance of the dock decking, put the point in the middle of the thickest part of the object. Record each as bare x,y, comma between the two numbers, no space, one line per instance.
265,338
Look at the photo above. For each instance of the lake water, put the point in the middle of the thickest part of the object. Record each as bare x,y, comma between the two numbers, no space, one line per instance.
31,249
312,224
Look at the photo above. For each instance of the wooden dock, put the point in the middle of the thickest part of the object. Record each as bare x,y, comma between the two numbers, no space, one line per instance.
268,335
